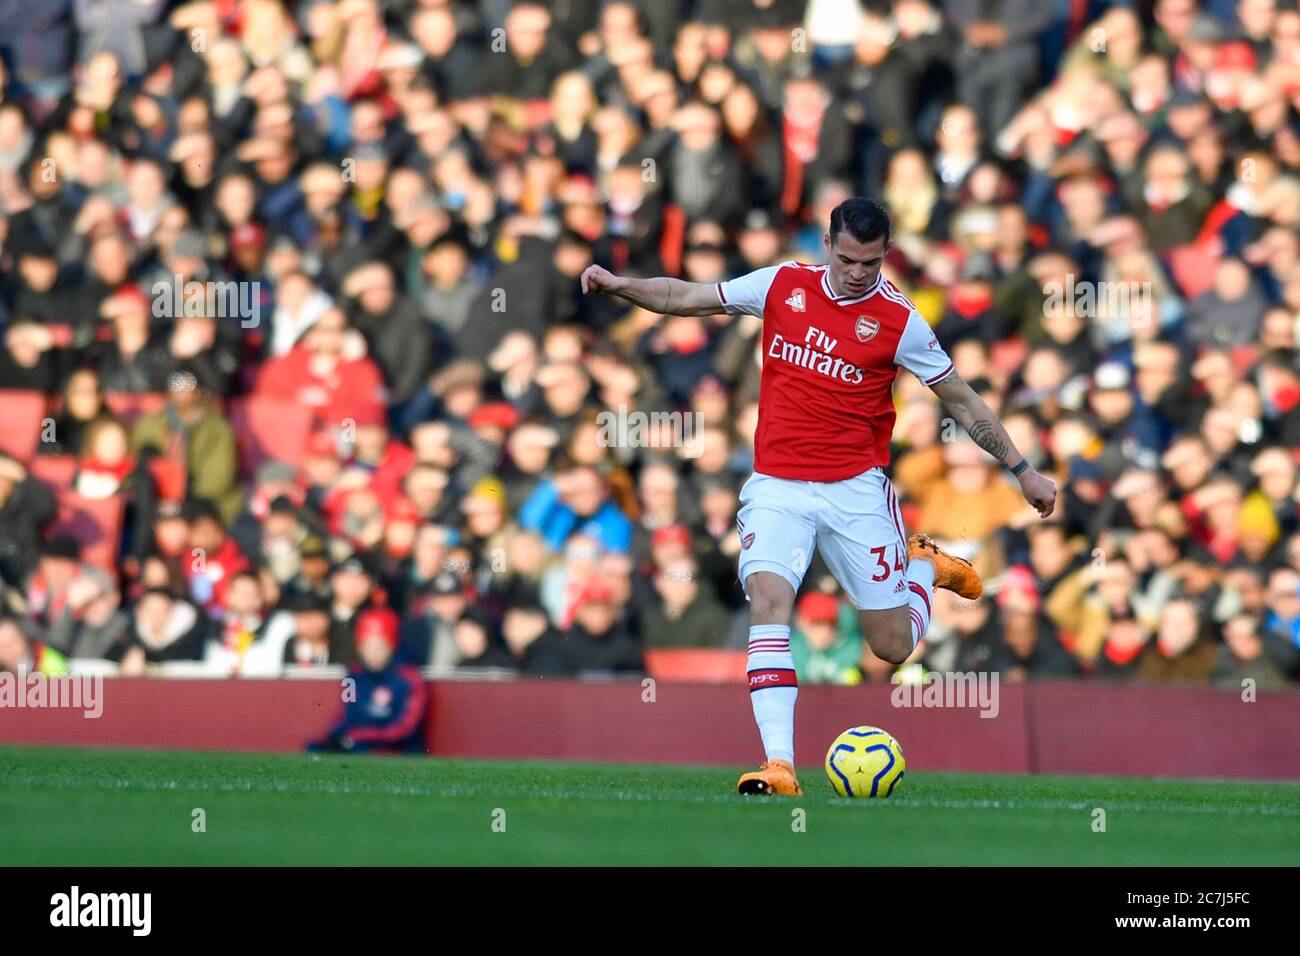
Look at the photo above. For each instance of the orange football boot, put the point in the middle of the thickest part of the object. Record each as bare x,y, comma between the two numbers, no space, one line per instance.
773,777
950,571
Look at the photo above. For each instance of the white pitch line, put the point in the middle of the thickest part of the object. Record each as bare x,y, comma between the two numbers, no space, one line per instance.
474,791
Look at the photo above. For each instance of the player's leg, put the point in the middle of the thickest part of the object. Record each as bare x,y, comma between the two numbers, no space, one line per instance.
865,546
892,633
777,536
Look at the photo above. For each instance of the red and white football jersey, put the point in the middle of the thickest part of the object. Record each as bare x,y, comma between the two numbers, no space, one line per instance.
825,407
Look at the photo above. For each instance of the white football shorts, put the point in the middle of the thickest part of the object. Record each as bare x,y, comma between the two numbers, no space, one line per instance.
856,524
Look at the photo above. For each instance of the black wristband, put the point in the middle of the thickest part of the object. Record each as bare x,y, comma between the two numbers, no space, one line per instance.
1020,468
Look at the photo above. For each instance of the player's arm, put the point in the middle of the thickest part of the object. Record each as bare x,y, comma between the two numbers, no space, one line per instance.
662,294
974,415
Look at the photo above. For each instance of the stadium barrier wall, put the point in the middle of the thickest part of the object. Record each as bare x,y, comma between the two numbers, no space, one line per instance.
1057,728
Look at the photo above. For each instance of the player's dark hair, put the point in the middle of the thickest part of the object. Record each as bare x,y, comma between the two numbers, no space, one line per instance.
866,220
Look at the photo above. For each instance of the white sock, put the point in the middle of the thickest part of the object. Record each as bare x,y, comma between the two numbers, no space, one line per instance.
773,688
920,586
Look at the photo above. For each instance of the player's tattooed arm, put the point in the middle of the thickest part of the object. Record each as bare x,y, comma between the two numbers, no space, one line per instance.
662,294
974,415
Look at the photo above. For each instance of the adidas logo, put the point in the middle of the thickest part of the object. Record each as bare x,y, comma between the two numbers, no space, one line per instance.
796,301
900,586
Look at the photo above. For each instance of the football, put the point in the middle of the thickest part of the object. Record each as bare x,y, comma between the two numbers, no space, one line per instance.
865,762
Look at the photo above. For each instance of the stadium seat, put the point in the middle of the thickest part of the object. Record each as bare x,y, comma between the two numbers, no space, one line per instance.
58,472
21,411
270,429
130,407
95,524
696,665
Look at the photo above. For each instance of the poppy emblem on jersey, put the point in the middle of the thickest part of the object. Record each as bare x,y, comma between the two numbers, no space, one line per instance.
866,328
796,301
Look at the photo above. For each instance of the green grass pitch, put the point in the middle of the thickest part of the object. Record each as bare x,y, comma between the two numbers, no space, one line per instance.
70,807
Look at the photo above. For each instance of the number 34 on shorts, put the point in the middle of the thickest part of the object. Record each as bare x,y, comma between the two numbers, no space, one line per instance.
855,524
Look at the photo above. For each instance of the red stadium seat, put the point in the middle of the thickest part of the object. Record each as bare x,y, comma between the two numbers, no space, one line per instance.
130,407
95,524
696,665
21,413
58,472
270,429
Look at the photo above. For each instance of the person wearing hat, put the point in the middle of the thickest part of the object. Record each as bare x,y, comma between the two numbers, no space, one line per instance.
296,632
824,653
598,639
1125,427
684,611
487,520
431,614
312,567
493,421
386,713
1276,471
458,388
353,588
190,429
56,571
219,558
477,645
1029,647
92,621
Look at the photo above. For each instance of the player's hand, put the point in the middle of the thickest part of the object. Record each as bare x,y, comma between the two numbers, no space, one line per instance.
1039,491
598,279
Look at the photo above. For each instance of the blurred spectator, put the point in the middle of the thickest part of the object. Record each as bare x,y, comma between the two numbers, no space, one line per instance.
22,655
386,710
576,500
92,623
824,652
1104,236
189,430
1029,648
26,506
686,613
163,628
597,639
1183,650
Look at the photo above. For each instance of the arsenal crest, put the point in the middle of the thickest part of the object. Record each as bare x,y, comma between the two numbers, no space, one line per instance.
866,328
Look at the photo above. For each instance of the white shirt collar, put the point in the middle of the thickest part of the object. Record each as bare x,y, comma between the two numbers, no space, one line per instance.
845,300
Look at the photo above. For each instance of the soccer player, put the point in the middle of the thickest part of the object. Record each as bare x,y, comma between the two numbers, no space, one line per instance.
833,338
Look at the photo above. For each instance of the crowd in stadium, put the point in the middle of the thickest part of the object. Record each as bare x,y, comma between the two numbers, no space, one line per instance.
393,428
